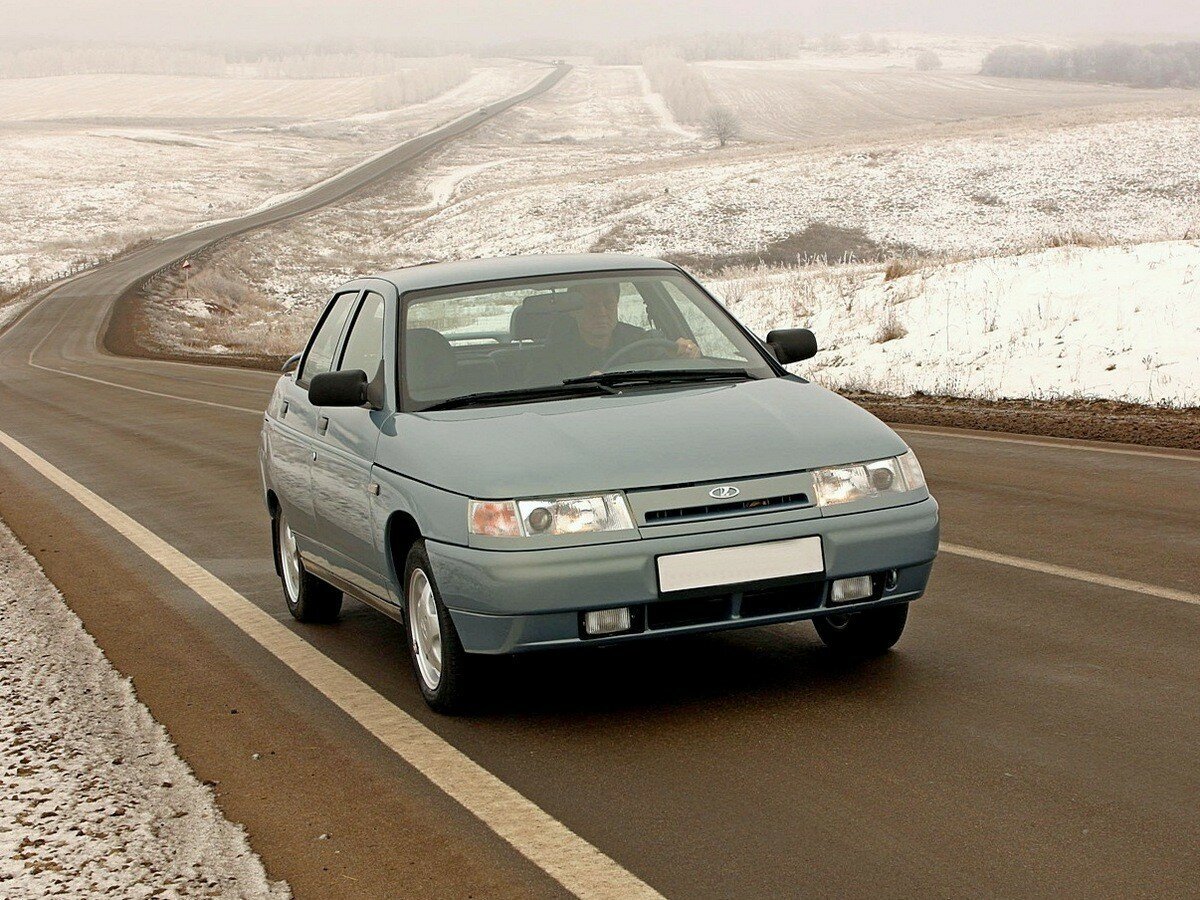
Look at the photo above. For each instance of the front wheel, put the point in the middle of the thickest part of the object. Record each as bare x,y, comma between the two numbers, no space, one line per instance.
866,633
441,664
308,598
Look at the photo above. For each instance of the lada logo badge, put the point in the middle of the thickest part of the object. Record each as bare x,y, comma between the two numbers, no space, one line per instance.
724,492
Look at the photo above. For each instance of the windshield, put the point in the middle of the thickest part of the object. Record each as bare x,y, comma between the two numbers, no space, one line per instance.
537,335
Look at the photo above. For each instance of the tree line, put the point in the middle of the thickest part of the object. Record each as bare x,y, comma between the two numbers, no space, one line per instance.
328,61
1139,65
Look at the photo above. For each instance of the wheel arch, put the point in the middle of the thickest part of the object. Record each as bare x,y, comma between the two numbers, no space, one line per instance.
274,508
400,533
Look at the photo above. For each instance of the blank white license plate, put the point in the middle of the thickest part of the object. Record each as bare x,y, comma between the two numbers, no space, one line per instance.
737,565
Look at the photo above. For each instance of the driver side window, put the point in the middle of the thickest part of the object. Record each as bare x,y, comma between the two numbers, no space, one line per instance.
319,357
632,307
713,342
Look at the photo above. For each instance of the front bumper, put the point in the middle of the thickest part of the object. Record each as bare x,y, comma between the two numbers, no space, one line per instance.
508,601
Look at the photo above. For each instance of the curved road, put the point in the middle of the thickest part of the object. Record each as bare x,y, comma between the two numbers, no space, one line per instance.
1036,731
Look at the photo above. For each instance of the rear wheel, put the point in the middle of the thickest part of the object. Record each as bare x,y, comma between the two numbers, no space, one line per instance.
866,633
308,598
441,664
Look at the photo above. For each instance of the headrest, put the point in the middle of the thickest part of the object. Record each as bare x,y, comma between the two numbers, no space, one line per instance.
430,365
538,312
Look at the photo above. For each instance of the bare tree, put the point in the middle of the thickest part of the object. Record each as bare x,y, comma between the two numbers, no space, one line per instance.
722,125
927,61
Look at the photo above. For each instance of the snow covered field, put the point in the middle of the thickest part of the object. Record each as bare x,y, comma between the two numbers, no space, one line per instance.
95,802
160,153
1003,190
594,166
805,99
1120,323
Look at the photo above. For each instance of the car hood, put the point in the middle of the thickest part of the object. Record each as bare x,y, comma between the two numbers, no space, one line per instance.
644,439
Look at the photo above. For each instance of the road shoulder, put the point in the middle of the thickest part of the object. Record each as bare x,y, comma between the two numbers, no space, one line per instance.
95,797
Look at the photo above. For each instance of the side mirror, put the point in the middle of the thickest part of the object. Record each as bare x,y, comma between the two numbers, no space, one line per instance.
792,344
347,388
291,362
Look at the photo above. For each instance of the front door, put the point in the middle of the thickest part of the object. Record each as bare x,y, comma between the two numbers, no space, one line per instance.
346,439
293,436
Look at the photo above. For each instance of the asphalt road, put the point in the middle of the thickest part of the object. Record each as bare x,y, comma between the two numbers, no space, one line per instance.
1035,732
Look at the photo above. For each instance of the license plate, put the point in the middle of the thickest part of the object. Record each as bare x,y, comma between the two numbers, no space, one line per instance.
739,565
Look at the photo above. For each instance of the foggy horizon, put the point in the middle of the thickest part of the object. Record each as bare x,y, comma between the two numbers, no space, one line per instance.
489,22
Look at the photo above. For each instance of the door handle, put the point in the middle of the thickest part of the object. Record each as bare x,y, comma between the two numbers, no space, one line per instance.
322,424
314,455
283,409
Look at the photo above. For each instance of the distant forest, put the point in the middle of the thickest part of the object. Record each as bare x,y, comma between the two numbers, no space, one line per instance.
1140,65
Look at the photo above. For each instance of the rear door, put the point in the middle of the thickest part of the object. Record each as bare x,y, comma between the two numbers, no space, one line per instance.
293,439
346,439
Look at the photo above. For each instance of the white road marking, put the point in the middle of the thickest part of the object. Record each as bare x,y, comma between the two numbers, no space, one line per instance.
1033,565
246,409
1057,445
577,865
38,346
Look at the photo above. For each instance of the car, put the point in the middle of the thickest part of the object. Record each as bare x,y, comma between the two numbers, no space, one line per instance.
561,451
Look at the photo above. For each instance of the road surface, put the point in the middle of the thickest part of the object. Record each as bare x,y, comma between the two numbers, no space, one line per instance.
1035,732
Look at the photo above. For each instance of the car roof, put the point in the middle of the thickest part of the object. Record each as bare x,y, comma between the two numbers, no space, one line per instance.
467,271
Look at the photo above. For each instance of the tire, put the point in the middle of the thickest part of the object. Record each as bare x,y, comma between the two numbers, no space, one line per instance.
308,598
867,633
442,667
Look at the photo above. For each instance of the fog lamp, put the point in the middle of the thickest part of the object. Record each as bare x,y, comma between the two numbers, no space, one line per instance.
607,621
847,590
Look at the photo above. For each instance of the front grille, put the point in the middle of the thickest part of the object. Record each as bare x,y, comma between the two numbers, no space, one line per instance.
698,611
790,598
762,504
755,604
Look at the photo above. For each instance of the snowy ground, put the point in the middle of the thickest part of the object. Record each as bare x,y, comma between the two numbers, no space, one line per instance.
93,799
1126,180
159,153
597,165
1120,323
821,97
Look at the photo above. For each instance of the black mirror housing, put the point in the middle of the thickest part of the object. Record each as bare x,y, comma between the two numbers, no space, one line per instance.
347,388
792,344
291,362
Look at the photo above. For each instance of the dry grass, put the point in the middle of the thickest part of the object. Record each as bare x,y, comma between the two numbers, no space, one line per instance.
890,329
898,268
1077,238
224,309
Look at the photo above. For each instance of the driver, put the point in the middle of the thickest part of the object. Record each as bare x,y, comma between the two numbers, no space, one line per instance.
593,333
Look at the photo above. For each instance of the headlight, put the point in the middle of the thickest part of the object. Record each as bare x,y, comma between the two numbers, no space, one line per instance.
866,481
564,515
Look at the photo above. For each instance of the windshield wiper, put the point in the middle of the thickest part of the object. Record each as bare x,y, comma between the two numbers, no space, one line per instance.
660,376
521,395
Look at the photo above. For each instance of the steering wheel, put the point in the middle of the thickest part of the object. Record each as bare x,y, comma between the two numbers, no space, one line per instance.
645,350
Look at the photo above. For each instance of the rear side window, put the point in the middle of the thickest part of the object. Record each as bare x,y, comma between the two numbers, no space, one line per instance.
364,346
324,343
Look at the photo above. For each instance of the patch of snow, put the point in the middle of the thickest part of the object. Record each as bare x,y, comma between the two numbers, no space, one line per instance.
1119,323
162,136
658,106
195,308
443,188
96,801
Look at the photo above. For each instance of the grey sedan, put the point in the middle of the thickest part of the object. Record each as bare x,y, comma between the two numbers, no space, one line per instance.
563,451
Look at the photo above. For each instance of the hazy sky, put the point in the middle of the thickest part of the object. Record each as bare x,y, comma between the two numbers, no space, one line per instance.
491,20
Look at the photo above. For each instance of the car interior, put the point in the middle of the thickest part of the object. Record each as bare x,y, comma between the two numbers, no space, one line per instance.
451,362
